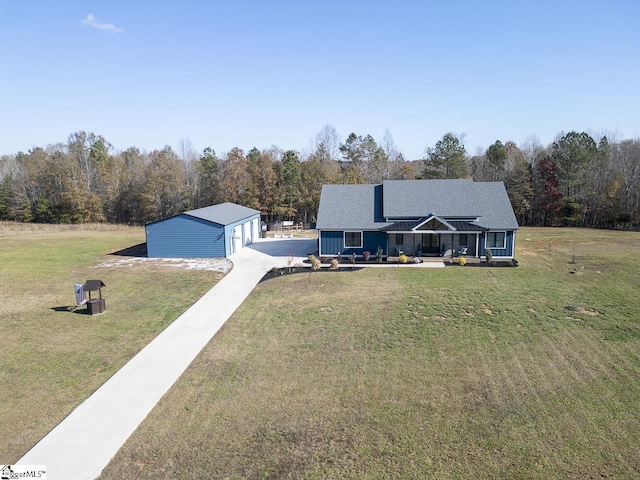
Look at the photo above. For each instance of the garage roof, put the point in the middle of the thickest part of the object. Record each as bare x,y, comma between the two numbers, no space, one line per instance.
223,213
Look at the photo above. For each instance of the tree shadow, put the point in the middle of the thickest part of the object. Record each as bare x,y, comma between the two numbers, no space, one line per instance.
139,250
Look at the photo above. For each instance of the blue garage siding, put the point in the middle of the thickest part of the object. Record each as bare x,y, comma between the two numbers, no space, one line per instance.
499,252
333,242
184,236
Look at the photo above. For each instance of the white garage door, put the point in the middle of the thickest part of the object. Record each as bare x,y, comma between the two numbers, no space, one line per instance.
254,229
237,235
247,232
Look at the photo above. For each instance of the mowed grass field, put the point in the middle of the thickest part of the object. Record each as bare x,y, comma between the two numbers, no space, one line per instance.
51,358
461,372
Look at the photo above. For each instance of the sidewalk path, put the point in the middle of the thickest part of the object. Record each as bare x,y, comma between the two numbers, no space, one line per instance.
84,442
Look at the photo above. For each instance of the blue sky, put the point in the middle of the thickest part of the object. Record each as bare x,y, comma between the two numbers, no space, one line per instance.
262,73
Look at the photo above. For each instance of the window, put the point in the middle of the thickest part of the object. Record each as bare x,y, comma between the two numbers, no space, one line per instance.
352,239
462,240
399,239
496,239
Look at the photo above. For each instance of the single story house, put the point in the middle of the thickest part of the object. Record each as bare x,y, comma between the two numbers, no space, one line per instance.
210,232
417,217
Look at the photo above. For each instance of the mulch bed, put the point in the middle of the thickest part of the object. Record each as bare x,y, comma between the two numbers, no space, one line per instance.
281,272
495,263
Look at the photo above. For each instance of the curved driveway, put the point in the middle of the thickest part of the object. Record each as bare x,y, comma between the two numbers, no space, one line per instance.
84,442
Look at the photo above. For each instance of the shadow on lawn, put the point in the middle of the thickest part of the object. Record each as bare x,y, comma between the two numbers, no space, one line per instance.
72,309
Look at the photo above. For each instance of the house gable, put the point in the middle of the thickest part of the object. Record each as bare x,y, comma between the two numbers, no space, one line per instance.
433,223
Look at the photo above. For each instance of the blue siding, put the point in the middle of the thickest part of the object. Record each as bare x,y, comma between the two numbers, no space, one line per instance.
373,240
184,236
333,242
499,252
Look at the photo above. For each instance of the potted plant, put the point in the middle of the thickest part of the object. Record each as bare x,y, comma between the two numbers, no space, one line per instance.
365,255
379,254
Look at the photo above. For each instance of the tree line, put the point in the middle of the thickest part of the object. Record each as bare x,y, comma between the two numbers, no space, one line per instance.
576,180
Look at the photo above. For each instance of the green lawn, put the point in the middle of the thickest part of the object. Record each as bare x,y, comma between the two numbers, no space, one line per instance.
461,372
51,359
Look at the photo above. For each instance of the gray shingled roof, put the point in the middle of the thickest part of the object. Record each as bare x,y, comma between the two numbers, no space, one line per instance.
494,202
418,198
223,213
365,206
451,198
351,207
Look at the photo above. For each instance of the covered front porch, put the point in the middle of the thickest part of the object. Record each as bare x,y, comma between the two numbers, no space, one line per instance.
433,244
434,237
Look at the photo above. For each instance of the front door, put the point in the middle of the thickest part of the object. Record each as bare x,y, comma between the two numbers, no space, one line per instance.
430,244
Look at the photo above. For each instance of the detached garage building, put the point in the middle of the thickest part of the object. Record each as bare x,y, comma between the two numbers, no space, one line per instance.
210,232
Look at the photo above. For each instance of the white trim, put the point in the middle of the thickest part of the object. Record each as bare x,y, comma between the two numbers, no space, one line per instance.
344,239
504,240
431,217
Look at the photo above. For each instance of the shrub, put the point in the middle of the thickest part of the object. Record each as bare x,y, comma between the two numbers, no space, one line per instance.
489,255
315,264
334,265
462,261
403,258
365,255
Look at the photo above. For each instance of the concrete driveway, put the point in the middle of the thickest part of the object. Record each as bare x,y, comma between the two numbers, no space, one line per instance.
84,442
283,249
